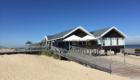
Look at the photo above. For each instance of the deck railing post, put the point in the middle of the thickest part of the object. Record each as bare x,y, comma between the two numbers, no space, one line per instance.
90,51
94,51
83,58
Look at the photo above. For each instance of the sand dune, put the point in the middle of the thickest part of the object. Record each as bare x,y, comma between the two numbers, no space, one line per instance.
34,67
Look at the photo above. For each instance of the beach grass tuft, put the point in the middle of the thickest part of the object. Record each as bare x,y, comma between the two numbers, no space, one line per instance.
137,49
55,56
49,53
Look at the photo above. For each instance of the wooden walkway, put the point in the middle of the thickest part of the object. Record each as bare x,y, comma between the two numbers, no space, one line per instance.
87,60
25,51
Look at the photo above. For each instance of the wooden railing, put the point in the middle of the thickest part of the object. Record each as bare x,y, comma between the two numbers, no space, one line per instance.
35,48
90,46
81,55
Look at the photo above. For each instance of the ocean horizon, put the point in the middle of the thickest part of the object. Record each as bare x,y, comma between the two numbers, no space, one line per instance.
132,46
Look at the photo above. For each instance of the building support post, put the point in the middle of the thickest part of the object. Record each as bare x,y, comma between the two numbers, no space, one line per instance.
86,43
105,52
69,45
115,52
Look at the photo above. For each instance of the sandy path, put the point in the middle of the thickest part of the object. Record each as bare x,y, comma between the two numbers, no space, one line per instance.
33,67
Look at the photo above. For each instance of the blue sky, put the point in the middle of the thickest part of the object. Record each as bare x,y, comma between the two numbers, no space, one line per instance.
23,20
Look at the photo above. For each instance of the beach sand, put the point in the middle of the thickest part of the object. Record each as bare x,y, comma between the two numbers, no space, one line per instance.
34,67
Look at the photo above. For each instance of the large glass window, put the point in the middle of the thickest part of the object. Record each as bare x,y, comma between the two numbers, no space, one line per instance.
110,41
103,41
117,41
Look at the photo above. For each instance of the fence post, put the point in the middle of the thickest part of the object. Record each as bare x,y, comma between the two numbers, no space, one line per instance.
83,58
95,61
124,58
110,67
99,52
110,55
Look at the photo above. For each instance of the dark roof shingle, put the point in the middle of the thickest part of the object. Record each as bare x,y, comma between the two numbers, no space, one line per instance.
61,34
28,42
97,33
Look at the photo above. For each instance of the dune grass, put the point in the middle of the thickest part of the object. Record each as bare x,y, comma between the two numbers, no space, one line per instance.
138,49
49,53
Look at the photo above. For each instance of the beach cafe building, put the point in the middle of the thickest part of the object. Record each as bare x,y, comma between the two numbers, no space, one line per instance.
108,38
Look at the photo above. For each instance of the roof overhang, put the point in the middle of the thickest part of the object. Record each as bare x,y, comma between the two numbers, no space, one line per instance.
46,38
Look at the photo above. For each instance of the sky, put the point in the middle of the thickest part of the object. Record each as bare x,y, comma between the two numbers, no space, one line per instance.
31,20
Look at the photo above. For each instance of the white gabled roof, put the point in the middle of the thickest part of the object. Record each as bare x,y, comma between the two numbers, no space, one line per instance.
66,33
115,30
101,32
76,29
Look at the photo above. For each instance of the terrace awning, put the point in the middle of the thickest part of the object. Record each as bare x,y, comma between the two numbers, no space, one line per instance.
73,38
87,37
76,38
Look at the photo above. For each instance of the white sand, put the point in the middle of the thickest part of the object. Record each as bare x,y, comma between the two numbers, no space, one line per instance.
34,67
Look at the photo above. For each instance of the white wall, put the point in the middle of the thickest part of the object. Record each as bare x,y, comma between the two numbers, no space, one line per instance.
99,41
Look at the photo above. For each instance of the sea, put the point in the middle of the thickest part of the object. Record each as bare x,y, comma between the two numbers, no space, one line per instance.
132,46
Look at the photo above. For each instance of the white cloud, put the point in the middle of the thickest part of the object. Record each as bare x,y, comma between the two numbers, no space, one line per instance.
133,39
